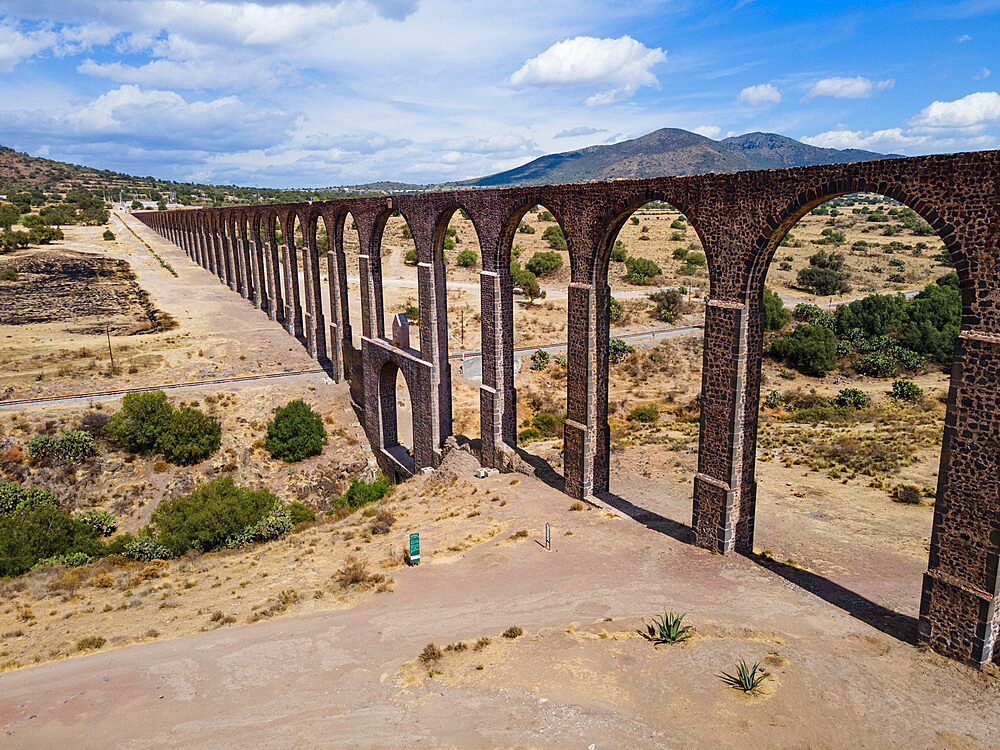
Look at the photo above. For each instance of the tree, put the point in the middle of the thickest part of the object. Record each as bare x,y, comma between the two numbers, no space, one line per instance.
812,349
669,303
641,270
825,274
544,263
295,433
9,215
189,437
555,237
209,517
528,283
143,417
776,315
136,206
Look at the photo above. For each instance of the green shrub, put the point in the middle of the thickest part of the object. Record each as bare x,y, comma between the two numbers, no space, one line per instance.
618,350
41,448
76,445
410,257
747,679
295,433
412,313
555,237
103,523
42,531
906,390
189,437
9,273
696,259
15,499
647,414
300,513
527,282
544,263
615,311
851,397
108,235
548,423
812,349
539,359
680,253
43,235
825,274
525,228
668,629
143,549
618,252
362,493
641,270
773,400
776,315
213,515
669,303
467,258
527,435
546,216
143,417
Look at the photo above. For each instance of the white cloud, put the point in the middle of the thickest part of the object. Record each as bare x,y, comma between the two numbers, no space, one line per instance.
709,131
981,74
16,46
763,93
963,38
578,131
900,140
507,144
848,88
972,111
623,64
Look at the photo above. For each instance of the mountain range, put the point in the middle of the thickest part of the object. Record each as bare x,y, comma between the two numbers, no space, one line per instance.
668,152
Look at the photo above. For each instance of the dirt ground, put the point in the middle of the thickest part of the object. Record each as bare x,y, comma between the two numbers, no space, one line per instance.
292,643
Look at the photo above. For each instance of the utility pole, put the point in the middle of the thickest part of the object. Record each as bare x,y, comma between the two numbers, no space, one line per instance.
463,328
107,330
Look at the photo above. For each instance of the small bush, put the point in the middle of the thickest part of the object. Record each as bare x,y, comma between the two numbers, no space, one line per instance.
41,448
544,263
906,390
512,632
540,359
9,273
141,421
641,270
90,642
430,655
812,349
668,629
525,228
189,437
108,235
618,253
548,423
747,679
467,258
103,523
300,513
410,257
383,521
412,313
527,435
647,414
615,311
213,515
851,397
618,350
908,494
546,216
42,531
295,433
776,315
362,493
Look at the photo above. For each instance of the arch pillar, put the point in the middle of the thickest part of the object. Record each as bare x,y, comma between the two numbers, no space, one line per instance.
315,320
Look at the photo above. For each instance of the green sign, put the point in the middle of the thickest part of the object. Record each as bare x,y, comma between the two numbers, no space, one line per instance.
414,549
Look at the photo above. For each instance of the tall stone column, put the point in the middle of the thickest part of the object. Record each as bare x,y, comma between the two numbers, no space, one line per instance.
723,502
579,432
293,302
276,311
960,603
340,326
315,320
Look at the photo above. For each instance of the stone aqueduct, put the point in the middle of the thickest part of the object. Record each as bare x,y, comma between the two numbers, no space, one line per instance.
740,218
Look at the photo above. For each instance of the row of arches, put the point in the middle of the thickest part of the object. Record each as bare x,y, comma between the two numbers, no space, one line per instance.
740,220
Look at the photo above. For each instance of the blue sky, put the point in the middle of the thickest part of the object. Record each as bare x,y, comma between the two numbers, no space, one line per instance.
290,94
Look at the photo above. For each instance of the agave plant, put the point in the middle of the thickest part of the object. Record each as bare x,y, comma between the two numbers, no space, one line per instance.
747,679
667,629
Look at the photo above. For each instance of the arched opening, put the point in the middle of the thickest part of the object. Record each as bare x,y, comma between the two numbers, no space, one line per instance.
400,289
861,311
457,248
396,417
534,251
657,274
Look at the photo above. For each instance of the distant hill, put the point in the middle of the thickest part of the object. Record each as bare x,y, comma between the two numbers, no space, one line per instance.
667,152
